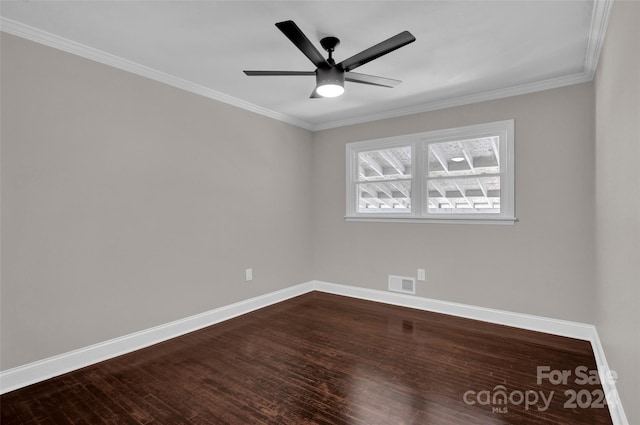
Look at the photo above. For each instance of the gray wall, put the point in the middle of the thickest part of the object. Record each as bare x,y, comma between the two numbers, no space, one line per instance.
618,201
543,265
127,203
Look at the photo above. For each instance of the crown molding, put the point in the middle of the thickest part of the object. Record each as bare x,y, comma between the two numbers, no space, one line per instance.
553,83
43,37
599,22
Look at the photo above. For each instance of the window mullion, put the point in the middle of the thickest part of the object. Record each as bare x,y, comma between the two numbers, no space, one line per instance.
417,194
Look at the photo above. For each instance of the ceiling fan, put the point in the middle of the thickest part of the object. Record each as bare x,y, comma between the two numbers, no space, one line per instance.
330,76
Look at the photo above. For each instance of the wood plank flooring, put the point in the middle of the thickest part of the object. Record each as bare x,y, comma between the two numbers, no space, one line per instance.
326,359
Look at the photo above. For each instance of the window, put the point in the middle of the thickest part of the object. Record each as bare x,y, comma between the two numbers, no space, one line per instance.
463,174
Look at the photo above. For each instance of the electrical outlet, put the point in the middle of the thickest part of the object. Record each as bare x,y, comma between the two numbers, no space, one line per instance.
248,275
421,274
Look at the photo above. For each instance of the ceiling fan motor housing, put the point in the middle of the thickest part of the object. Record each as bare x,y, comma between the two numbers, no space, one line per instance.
332,75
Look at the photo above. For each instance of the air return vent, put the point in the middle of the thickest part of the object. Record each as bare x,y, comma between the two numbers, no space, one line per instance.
402,284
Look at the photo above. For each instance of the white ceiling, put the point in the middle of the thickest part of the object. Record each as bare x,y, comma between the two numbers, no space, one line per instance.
465,51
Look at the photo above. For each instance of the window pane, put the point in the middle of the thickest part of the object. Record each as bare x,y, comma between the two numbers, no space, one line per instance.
464,195
385,197
385,164
464,157
463,173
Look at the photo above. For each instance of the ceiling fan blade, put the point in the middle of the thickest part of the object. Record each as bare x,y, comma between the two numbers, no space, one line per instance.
297,37
355,77
380,49
276,73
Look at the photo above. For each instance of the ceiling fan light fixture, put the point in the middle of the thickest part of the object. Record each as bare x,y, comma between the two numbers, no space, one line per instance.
330,90
329,82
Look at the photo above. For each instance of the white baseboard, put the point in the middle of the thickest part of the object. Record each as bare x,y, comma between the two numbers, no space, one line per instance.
608,385
31,373
525,321
569,329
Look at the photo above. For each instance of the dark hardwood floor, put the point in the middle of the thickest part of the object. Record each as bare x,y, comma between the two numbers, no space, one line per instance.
326,359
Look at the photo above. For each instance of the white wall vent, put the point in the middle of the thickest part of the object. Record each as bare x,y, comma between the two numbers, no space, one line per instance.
402,284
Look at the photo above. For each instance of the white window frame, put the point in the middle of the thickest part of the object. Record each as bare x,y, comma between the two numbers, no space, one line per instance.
419,143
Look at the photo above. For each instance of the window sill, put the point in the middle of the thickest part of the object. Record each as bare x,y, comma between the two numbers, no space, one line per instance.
387,219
